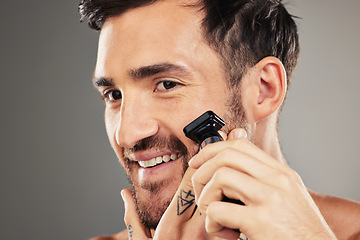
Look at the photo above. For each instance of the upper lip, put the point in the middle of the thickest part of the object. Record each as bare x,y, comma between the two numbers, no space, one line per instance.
149,154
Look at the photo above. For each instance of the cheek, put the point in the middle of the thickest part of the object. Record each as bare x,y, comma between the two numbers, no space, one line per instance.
111,126
179,113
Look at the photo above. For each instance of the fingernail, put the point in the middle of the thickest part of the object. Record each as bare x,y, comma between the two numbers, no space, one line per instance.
192,160
122,195
123,198
240,133
223,135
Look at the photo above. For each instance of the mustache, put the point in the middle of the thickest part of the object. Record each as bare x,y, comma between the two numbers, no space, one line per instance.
157,142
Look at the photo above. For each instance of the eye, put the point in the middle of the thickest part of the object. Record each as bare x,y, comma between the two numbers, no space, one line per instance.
112,95
166,85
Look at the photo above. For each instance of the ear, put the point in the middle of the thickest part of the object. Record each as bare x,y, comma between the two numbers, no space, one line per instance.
268,84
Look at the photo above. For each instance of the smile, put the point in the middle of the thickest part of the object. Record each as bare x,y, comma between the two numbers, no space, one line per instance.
159,160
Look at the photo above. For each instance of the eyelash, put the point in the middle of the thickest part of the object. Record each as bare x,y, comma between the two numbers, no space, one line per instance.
107,95
176,84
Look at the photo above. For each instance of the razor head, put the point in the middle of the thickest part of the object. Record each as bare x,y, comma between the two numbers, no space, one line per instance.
204,127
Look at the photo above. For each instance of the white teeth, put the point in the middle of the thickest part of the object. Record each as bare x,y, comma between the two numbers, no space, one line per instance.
146,164
166,158
142,164
173,156
158,160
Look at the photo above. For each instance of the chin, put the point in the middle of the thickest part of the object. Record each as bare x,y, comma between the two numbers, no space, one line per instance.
151,205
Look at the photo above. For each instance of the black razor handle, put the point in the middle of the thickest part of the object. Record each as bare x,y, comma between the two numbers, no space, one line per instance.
204,130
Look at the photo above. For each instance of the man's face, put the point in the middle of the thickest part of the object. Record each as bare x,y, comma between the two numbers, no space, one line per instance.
157,74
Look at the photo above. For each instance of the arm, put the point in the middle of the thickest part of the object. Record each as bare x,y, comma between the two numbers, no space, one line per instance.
342,215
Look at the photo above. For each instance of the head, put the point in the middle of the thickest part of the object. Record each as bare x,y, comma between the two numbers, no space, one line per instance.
163,63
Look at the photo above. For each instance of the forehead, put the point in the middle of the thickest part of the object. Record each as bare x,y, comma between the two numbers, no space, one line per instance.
165,31
161,17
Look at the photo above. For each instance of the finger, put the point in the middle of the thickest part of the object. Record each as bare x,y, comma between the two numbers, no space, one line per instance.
233,159
181,209
269,171
183,202
227,233
221,215
242,145
234,134
223,135
136,230
237,133
234,185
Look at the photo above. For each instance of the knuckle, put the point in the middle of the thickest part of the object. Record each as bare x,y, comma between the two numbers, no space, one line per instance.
202,205
211,210
222,170
195,178
220,174
211,224
188,184
240,142
286,180
226,153
295,176
275,196
126,220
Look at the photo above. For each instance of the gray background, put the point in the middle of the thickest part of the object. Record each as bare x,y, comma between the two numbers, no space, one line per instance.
59,177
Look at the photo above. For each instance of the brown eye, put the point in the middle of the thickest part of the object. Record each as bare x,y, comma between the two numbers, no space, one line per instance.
166,85
113,95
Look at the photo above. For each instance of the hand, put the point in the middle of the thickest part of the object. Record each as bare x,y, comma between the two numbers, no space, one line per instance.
277,204
181,220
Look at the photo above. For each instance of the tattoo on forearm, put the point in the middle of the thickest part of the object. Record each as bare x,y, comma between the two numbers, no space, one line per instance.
130,232
184,201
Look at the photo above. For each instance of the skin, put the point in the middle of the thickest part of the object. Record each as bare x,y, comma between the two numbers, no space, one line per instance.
278,205
147,108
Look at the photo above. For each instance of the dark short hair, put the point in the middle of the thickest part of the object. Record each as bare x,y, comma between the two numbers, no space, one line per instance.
242,31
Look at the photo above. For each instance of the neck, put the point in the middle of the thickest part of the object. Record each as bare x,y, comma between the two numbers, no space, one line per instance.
265,136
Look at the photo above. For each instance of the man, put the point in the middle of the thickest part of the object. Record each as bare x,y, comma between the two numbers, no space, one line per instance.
160,65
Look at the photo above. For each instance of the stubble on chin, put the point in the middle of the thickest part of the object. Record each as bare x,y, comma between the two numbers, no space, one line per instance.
152,199
151,208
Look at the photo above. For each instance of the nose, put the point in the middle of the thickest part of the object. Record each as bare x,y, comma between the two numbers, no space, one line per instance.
136,122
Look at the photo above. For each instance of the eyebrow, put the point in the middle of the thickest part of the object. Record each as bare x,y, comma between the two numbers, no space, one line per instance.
151,70
105,82
145,72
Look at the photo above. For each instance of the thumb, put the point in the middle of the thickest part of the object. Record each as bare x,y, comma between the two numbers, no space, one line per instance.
136,230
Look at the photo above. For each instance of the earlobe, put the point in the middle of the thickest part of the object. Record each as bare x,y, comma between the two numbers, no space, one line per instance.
271,87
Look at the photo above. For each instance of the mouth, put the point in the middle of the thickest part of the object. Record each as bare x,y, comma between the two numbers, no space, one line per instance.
159,160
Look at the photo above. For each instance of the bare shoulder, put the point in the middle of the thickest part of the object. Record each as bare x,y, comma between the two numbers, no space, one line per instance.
123,235
342,215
